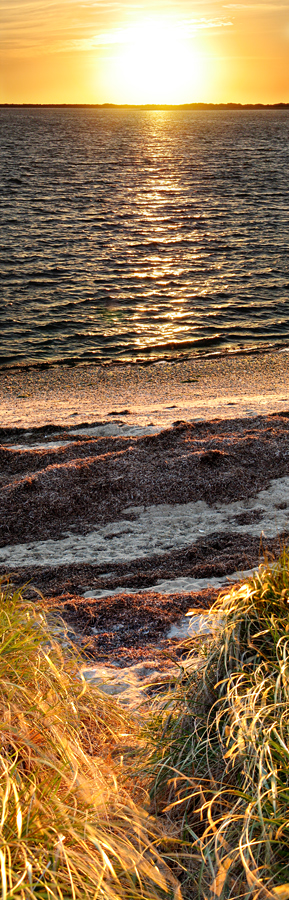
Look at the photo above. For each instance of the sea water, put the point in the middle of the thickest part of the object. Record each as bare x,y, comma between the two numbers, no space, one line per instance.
142,234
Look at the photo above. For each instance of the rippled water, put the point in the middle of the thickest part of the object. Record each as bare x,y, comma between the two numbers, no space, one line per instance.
142,233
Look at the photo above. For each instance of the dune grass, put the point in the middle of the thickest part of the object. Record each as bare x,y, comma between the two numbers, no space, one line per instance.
220,757
70,827
75,769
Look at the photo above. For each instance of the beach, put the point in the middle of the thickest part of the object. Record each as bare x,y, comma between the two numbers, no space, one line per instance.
156,394
131,494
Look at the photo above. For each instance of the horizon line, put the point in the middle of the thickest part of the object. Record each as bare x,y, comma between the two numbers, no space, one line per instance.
146,106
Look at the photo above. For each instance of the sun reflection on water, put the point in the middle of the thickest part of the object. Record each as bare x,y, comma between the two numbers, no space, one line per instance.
160,238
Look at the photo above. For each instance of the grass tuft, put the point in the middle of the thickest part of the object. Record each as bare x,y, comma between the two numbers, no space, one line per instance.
220,757
69,826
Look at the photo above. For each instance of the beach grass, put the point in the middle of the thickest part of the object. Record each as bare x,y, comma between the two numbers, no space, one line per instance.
220,757
73,825
77,818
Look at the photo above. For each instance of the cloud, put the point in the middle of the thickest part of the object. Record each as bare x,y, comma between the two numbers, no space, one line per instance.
33,24
56,26
125,35
256,7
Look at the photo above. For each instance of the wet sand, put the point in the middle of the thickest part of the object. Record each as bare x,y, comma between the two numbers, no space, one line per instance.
157,394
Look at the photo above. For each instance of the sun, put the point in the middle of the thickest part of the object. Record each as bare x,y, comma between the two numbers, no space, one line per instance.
156,63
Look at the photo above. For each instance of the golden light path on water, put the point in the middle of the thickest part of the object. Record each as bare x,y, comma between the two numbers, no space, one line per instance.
158,323
162,239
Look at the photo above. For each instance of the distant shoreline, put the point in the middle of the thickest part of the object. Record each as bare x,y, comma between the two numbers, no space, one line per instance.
147,106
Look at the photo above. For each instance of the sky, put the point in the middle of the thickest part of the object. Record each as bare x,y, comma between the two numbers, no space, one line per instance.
104,51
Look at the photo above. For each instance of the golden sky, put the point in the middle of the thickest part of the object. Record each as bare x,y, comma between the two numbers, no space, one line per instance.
92,51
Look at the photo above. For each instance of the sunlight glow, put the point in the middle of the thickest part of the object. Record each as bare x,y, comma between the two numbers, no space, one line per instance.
157,63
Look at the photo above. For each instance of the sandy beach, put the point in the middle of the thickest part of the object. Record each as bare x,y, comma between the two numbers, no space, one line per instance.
126,395
130,494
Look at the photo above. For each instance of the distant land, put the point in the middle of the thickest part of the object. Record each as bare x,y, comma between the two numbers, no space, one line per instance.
201,106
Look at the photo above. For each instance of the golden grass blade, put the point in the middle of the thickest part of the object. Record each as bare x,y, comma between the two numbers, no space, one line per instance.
3,874
70,829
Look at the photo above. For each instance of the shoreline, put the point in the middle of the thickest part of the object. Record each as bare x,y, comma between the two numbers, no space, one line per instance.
149,106
148,359
155,396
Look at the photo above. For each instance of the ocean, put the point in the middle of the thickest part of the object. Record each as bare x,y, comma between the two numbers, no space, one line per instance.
142,234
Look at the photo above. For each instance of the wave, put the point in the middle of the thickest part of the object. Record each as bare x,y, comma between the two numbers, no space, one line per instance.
205,349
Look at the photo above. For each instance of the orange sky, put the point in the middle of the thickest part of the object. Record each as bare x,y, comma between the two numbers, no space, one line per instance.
92,51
